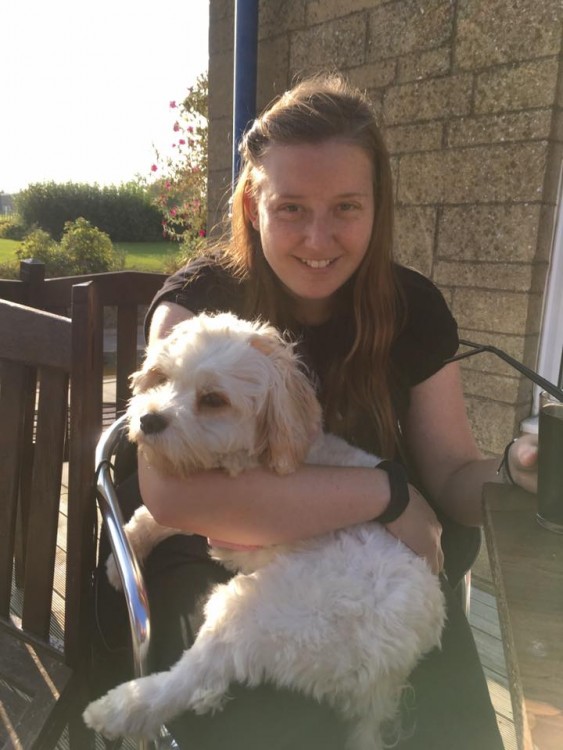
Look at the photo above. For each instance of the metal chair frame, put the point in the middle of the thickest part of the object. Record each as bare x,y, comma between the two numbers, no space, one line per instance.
134,588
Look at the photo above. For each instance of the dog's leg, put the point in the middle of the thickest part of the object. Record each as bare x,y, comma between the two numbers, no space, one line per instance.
143,533
371,711
198,681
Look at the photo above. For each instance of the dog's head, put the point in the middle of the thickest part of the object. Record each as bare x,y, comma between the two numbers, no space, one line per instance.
222,392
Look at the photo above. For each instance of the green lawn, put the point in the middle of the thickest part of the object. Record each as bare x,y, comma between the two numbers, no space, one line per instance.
147,256
7,250
141,256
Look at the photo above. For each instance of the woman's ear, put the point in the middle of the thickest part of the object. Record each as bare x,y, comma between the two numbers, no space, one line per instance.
251,206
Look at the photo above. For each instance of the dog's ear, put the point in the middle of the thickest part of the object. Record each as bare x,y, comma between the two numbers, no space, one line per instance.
145,379
291,417
150,375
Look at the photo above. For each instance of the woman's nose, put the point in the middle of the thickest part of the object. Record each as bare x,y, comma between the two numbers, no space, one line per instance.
318,231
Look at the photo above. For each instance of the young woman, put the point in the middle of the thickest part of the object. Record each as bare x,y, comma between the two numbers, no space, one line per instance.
310,250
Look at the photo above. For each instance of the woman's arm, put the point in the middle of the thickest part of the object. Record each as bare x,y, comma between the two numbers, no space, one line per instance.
261,507
445,453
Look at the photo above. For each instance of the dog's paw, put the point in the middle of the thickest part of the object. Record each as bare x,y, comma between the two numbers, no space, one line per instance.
120,713
113,574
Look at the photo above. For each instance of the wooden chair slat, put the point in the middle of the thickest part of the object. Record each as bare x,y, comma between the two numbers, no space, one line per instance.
126,354
41,340
12,392
29,383
85,430
44,501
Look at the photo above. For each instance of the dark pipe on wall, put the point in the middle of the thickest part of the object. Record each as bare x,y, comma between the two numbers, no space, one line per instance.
245,68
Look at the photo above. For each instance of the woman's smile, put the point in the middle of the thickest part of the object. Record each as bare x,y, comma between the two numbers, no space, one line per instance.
317,263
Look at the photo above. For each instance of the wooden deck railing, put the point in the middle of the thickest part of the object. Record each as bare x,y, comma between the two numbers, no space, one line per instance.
124,291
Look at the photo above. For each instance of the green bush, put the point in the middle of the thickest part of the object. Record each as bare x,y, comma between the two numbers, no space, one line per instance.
83,249
12,227
10,270
125,213
89,249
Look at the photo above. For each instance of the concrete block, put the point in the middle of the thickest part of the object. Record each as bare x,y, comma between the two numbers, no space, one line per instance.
493,424
437,98
494,233
505,128
221,28
220,144
415,229
403,139
501,276
507,389
280,16
273,69
220,85
421,65
519,346
525,86
373,75
335,44
407,26
505,173
320,11
485,310
492,32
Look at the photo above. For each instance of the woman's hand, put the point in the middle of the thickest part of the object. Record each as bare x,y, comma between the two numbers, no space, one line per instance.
523,462
419,528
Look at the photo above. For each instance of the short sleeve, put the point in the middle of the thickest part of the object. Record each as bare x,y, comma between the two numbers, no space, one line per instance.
429,336
200,286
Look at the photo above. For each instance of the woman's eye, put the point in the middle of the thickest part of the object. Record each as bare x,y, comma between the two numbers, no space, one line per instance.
212,400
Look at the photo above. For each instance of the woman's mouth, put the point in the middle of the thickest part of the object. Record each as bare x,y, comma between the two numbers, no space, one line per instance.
317,263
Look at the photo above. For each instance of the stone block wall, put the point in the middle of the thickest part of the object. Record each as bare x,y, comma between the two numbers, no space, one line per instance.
469,94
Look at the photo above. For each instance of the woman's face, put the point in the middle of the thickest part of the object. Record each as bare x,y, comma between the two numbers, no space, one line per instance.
314,210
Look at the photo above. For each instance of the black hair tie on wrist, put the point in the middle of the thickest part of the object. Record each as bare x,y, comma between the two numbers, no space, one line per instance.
398,482
504,468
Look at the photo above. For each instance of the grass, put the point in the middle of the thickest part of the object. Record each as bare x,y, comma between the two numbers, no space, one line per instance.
7,250
147,256
139,256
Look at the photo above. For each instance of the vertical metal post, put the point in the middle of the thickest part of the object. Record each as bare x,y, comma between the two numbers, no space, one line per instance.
244,78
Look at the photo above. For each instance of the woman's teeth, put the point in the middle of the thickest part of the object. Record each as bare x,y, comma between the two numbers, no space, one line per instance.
316,263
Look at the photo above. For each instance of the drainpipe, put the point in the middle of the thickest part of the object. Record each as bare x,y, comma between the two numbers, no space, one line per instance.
244,78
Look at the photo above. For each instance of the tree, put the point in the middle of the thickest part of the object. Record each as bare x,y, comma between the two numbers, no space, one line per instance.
179,182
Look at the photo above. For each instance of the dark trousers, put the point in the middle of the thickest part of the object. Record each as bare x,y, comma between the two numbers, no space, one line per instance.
449,706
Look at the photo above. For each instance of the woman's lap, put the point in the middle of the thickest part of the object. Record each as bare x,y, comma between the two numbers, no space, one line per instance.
178,580
449,707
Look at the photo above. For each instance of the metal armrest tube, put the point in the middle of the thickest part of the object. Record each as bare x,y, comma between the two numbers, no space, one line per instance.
127,564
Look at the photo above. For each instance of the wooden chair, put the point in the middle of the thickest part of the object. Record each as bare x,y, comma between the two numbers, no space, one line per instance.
45,621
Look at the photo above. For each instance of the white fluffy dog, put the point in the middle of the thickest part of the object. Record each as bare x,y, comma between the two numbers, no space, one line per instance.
343,617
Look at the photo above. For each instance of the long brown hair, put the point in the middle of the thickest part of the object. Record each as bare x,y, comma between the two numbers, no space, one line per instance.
316,110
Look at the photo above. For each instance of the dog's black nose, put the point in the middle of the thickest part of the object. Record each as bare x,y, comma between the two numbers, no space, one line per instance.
152,423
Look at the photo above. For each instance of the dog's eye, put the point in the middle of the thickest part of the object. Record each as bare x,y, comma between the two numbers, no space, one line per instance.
157,377
212,400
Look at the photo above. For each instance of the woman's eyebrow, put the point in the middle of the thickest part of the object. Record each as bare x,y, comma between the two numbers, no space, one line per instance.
300,196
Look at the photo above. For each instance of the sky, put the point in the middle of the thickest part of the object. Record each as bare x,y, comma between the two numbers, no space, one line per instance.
86,86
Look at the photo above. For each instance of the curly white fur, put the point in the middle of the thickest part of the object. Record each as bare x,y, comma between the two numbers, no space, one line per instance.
343,617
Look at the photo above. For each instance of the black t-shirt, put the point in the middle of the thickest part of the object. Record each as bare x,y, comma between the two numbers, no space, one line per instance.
427,338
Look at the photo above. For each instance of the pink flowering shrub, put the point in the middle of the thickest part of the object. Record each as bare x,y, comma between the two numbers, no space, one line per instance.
179,182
